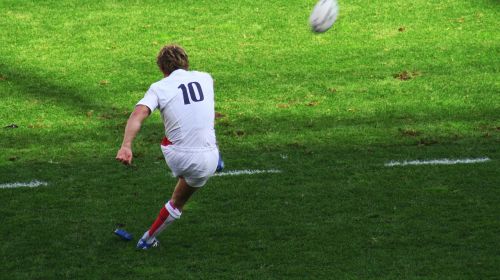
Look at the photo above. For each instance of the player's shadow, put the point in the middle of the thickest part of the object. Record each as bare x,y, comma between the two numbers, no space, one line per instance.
48,90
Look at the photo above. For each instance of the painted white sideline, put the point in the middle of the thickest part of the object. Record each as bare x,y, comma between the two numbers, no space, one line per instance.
443,161
32,184
246,172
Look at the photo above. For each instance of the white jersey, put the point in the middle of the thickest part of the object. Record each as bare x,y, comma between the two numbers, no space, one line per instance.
186,102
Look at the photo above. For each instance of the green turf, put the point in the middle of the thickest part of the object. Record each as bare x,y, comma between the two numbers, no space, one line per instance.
393,80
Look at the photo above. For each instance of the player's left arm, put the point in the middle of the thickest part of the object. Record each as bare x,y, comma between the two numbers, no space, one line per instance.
134,123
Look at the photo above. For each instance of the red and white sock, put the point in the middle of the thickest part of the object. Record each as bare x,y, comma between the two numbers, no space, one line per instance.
168,214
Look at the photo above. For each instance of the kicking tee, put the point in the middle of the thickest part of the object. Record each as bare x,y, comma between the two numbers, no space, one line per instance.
186,103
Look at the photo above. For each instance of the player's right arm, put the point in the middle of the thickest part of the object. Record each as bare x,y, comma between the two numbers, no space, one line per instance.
134,123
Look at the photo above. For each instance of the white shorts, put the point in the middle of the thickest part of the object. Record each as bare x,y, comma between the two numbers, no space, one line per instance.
196,166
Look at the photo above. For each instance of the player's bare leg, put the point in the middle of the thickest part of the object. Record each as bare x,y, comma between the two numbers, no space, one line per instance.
182,193
168,214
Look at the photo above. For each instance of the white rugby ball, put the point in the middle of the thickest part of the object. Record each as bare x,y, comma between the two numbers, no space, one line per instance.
324,15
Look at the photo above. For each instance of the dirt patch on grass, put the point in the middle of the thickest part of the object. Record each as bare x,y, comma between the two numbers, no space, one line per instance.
410,132
406,75
11,126
239,133
427,142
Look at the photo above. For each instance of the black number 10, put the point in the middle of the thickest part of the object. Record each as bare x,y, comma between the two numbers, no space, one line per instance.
196,95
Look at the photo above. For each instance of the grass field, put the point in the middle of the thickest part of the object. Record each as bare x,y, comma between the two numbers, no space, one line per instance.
392,80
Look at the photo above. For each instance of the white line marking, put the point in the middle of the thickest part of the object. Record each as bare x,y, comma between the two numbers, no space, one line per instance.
246,172
32,184
443,161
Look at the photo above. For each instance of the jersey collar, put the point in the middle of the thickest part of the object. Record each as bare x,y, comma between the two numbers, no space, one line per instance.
177,72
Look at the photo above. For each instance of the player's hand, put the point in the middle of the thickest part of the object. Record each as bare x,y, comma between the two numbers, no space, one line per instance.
124,155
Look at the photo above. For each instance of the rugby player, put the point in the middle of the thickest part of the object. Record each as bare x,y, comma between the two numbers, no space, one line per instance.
186,102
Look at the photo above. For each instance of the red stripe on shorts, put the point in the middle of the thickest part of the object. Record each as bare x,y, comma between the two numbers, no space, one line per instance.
165,141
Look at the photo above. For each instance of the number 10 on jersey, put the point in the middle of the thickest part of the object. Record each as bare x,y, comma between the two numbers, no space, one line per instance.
195,95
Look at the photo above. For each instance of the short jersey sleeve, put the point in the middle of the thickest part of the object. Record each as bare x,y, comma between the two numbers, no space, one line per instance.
150,100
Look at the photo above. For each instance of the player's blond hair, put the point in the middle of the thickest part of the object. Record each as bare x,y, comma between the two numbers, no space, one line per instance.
171,58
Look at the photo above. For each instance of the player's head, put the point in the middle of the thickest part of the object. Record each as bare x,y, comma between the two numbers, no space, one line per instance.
171,58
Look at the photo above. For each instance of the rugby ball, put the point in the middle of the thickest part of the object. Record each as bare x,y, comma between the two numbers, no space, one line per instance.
324,15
